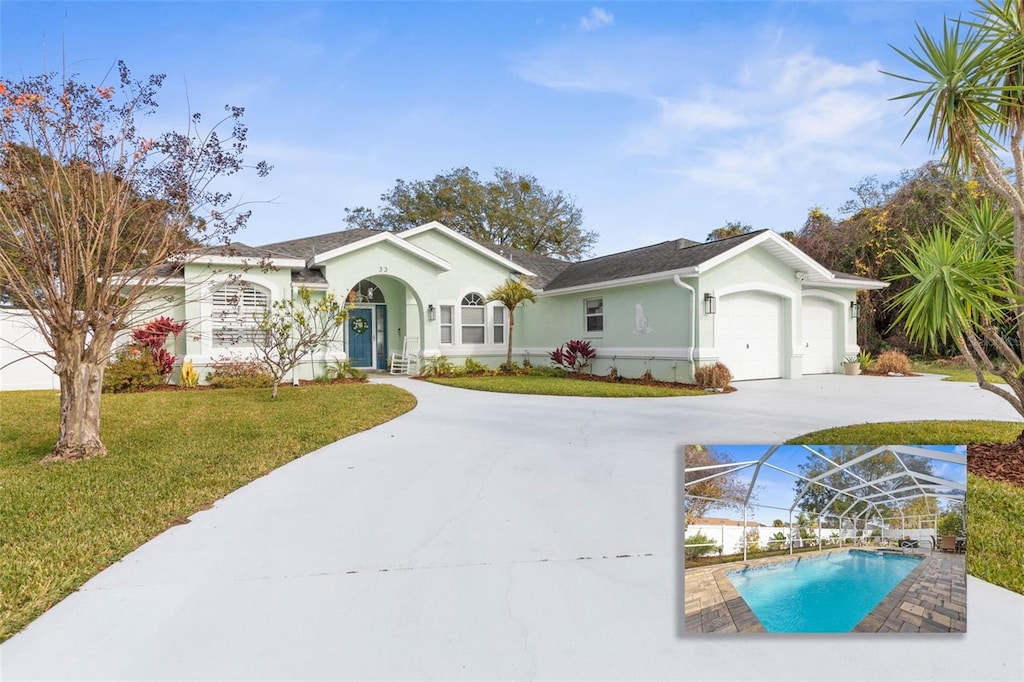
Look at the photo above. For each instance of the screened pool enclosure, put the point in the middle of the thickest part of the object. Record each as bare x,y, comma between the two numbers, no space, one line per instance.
795,496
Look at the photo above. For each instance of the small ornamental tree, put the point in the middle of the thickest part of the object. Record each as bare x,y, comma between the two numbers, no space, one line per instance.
294,328
92,210
511,294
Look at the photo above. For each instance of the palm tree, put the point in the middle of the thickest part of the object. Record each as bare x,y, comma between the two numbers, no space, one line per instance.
511,294
972,96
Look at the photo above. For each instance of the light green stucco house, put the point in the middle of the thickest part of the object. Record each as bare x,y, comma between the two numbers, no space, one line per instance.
754,302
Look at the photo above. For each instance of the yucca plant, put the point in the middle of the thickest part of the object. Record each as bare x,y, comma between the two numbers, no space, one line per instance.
968,275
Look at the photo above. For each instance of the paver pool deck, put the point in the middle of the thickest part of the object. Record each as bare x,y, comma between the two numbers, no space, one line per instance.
489,536
932,598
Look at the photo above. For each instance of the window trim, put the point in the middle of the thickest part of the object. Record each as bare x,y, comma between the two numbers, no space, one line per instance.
495,326
450,324
246,326
467,326
597,317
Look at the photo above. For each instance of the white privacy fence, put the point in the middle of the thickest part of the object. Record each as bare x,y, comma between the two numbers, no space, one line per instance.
730,537
22,365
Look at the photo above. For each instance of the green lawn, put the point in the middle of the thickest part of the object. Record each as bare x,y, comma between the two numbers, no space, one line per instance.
564,386
170,454
994,510
953,372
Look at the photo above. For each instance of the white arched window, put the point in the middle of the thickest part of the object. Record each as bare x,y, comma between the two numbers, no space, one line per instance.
237,310
473,319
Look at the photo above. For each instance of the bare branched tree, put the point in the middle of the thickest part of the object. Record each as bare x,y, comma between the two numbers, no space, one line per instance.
93,214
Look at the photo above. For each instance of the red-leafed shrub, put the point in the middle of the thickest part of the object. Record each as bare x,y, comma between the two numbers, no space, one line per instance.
574,356
144,362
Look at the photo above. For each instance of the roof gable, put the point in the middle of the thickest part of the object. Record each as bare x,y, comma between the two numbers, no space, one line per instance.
468,243
683,256
379,238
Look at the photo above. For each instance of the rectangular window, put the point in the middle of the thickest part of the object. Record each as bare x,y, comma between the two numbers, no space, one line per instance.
473,324
595,314
499,324
447,311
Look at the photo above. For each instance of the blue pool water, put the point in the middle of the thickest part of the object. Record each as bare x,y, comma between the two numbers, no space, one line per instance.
823,594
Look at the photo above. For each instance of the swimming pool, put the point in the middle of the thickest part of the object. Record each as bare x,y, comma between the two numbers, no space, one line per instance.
829,593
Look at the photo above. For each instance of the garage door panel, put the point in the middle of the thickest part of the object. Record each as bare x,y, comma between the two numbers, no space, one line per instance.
748,335
819,336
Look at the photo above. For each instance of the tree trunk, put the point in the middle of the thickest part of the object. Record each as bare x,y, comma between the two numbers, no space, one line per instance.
78,437
273,391
511,326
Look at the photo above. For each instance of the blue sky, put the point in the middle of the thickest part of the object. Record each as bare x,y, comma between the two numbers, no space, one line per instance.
775,488
661,119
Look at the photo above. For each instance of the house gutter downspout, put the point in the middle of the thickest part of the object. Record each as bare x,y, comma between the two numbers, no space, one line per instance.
678,279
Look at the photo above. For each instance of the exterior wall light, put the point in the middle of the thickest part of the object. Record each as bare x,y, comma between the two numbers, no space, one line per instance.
709,304
431,312
854,311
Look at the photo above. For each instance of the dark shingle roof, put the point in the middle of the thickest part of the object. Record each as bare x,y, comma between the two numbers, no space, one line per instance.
236,250
647,260
545,268
307,247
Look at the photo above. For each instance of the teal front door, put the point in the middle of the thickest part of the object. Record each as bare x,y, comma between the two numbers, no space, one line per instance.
360,337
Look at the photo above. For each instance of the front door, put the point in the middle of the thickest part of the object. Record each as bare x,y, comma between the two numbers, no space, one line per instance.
360,337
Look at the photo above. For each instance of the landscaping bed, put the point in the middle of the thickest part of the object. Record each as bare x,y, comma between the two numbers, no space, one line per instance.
997,462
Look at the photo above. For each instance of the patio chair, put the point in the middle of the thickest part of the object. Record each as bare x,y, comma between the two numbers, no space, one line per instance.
947,543
406,361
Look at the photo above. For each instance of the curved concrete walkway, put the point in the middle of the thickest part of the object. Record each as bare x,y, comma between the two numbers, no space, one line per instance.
489,536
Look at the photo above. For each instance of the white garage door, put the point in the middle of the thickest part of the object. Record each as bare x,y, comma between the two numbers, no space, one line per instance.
820,356
748,335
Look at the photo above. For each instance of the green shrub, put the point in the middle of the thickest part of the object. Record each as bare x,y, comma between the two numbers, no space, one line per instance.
864,358
692,551
506,368
132,369
713,376
437,366
893,361
341,369
951,523
471,367
777,541
230,372
545,372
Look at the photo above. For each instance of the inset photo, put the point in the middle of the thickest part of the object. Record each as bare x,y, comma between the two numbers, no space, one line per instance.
823,538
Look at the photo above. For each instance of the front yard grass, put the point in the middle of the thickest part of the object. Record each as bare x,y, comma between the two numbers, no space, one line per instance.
562,386
953,371
171,453
995,551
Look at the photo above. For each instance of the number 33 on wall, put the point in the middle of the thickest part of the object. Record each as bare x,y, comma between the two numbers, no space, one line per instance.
382,268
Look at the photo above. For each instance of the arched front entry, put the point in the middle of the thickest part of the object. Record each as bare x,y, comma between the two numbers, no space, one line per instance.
366,338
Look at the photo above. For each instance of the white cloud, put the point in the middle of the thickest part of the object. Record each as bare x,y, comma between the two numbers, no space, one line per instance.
596,18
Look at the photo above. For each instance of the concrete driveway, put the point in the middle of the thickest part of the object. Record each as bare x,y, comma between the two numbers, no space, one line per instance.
490,536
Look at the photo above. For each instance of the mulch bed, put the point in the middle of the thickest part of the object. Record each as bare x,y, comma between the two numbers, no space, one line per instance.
616,380
997,461
874,373
641,382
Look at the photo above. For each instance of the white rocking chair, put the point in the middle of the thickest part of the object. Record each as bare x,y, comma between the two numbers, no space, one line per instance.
406,361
